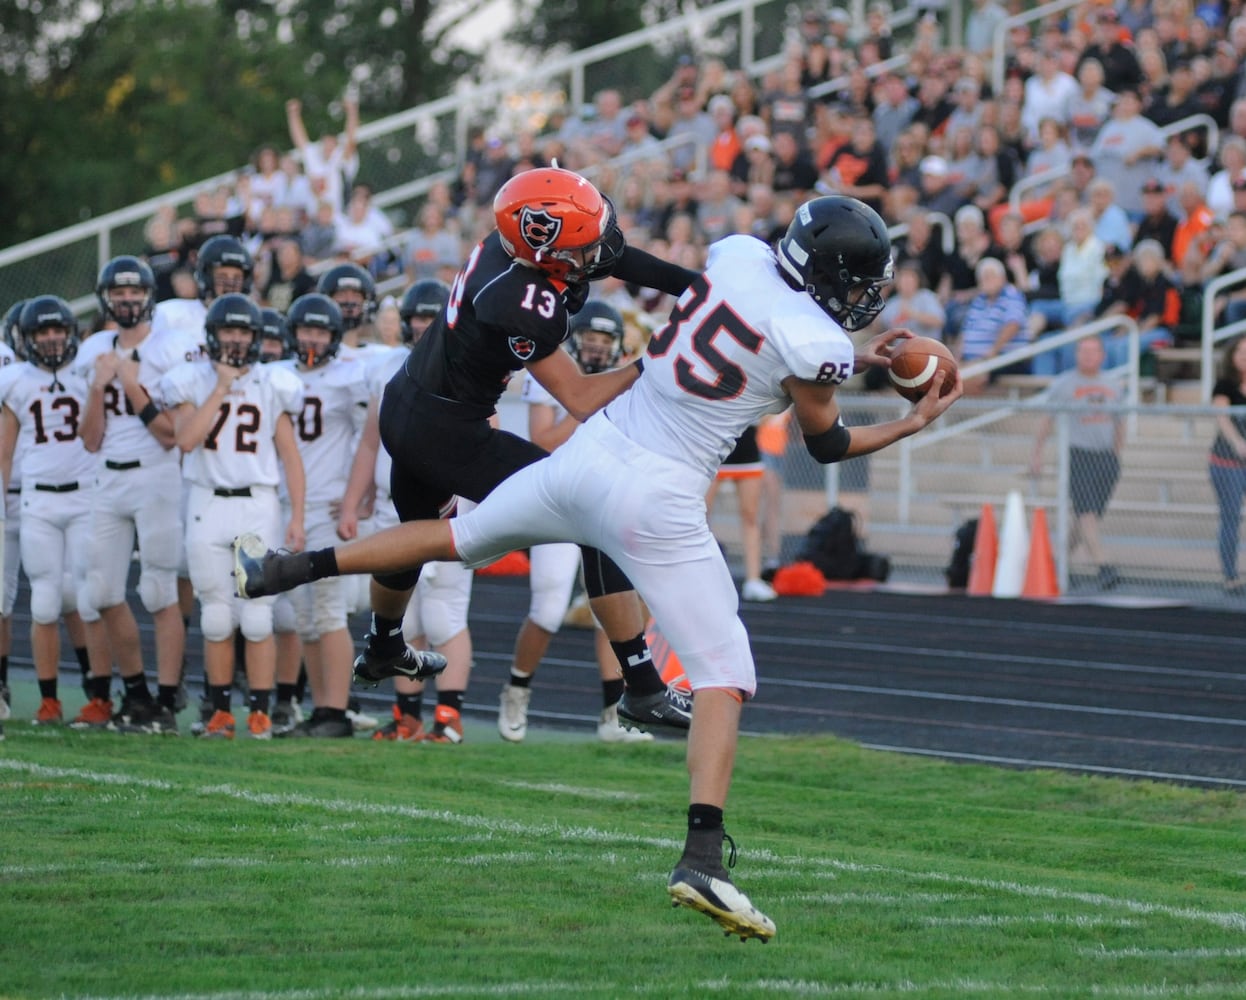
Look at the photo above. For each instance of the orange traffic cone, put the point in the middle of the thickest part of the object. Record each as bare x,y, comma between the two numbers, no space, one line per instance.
1040,569
665,660
985,552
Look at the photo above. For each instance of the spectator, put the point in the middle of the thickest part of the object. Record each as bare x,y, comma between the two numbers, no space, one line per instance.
960,280
691,124
969,111
1120,64
297,192
906,158
362,227
1229,255
1232,168
432,249
1047,95
794,170
163,250
1227,462
494,167
1015,249
727,145
912,305
933,107
1196,219
1111,223
717,207
993,324
288,277
788,108
268,182
1094,458
1147,296
1089,106
1125,150
754,166
320,234
921,245
1157,222
980,25
937,193
1178,167
1053,155
859,170
893,109
1042,293
1082,270
878,30
1177,100
330,165
599,135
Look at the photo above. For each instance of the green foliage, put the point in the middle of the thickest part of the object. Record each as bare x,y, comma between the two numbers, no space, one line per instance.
155,94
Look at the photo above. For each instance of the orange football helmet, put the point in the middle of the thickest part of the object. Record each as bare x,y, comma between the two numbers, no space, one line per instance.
557,221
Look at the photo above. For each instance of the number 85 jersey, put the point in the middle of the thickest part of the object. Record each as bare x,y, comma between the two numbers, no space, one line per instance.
719,363
239,449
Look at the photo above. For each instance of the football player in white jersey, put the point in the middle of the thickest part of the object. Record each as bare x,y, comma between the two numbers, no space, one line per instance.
42,402
436,616
352,288
762,329
12,505
222,265
335,396
138,487
233,419
596,343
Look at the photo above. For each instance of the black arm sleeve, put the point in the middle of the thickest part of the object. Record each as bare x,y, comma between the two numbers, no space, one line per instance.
637,267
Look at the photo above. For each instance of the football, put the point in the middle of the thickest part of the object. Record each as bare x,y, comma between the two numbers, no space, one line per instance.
914,363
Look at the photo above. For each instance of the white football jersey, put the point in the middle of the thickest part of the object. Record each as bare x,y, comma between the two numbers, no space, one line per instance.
335,397
9,373
183,316
48,412
240,449
383,366
7,357
126,437
716,368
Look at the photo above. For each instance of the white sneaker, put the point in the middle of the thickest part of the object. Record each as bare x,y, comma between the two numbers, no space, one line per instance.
360,721
610,730
513,713
757,590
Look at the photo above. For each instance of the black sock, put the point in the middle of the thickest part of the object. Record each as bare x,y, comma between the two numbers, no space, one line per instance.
286,692
385,636
452,698
704,843
411,704
84,661
322,563
222,697
300,686
136,687
611,692
519,680
337,714
4,669
166,695
639,673
703,817
97,687
258,701
47,689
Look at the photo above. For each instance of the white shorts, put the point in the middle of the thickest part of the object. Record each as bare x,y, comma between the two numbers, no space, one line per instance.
12,550
647,512
54,536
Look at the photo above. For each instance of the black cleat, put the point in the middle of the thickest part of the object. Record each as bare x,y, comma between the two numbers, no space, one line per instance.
671,709
139,716
416,664
322,728
261,572
704,885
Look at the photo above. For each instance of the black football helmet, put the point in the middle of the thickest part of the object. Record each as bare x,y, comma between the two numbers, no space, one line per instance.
317,310
422,301
274,336
222,251
596,317
11,336
350,277
237,310
837,249
41,313
126,272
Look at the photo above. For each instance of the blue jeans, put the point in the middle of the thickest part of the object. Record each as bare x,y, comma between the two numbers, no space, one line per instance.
1118,346
1229,482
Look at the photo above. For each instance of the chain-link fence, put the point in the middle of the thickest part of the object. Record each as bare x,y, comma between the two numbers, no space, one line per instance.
1159,535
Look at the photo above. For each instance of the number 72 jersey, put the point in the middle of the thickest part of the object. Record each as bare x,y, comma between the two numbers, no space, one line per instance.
718,364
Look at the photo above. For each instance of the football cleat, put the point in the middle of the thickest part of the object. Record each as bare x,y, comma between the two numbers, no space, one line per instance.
447,726
95,714
416,664
144,716
260,572
286,715
322,727
611,730
220,726
403,729
360,721
513,713
714,894
670,708
49,713
260,726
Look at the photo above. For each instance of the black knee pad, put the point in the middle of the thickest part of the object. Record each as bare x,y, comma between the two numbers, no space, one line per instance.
405,580
601,575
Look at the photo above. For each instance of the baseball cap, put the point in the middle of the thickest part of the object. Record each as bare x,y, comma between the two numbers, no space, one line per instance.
1153,186
936,166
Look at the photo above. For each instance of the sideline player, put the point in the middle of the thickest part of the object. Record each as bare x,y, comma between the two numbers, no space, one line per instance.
596,343
233,421
138,488
760,330
436,615
508,311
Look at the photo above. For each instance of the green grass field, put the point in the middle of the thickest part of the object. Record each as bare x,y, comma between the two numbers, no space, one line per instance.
136,867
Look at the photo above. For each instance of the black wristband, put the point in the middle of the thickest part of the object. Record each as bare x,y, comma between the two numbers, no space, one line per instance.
148,413
640,366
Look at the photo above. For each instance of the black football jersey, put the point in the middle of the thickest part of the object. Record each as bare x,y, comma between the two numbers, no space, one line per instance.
501,316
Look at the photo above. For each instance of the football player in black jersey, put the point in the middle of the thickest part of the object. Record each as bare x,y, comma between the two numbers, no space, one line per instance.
509,310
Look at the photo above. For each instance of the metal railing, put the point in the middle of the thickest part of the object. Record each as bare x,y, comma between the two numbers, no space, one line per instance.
1213,335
